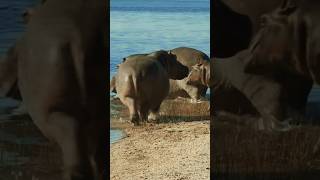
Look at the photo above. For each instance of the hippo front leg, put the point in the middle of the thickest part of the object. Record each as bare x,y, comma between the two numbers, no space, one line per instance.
195,94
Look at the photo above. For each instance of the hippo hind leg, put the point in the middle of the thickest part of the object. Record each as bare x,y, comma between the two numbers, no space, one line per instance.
68,132
132,106
143,112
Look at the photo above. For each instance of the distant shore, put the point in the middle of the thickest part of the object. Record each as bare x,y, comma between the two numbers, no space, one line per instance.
178,147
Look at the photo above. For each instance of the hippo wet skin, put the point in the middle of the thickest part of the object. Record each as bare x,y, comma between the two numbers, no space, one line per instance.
61,73
142,82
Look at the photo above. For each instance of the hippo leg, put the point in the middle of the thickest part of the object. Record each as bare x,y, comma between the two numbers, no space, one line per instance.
132,106
202,91
143,112
66,130
154,114
193,92
265,96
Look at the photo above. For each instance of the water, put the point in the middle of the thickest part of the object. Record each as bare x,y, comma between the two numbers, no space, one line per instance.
115,135
143,26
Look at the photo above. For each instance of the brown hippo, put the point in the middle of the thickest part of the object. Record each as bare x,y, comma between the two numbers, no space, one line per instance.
142,82
188,57
288,41
200,74
235,22
61,73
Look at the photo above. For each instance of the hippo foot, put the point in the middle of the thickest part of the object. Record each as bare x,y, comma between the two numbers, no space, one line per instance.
135,120
152,117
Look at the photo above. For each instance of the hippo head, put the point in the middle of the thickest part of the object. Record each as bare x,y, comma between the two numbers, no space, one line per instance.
175,69
274,46
200,74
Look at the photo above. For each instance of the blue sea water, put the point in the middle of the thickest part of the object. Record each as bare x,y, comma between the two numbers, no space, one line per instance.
143,26
115,135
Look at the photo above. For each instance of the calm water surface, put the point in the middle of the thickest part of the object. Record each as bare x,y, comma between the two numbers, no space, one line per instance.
142,26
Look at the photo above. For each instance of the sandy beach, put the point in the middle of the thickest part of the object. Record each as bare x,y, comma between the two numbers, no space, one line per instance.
177,147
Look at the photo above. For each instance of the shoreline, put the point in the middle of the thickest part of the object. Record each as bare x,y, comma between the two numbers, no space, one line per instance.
177,147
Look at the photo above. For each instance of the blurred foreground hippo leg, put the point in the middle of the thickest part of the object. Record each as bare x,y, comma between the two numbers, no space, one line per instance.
270,97
62,78
142,82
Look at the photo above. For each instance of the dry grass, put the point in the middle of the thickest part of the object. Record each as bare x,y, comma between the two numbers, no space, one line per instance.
171,111
25,153
239,152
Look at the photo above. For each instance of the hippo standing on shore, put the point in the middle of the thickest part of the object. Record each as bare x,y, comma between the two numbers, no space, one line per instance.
142,82
61,73
188,57
180,88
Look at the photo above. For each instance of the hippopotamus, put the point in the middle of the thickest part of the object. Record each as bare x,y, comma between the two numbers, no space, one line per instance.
179,88
61,69
200,74
188,57
288,41
277,99
235,22
142,82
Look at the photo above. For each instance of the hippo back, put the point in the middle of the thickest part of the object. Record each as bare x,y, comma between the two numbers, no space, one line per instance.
189,56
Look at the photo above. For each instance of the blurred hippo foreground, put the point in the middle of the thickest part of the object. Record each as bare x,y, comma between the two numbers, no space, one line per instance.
277,98
180,88
60,65
142,82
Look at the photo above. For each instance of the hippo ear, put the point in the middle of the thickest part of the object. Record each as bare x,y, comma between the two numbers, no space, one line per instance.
169,52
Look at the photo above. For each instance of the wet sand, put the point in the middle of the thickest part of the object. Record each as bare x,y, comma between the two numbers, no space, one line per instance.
176,147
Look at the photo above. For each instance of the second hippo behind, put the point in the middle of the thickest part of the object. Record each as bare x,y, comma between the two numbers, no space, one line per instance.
142,82
180,88
188,57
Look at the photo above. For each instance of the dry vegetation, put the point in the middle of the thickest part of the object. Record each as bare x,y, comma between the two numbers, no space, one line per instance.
239,152
24,153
